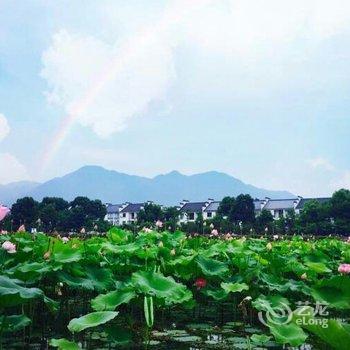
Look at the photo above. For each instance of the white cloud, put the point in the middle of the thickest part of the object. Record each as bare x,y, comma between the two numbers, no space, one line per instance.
103,83
321,163
11,169
4,127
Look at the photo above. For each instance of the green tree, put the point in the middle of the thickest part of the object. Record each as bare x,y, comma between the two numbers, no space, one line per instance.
263,220
339,208
25,211
150,213
226,206
243,209
171,217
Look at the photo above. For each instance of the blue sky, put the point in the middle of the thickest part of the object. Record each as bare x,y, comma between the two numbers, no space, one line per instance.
256,89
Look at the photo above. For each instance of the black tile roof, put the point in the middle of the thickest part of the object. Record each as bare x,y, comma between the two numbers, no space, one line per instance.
133,208
193,207
113,208
212,207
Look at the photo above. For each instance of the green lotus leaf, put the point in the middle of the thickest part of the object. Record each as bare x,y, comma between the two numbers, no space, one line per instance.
14,323
12,293
331,331
271,302
64,344
158,285
112,299
260,338
234,287
211,267
75,282
334,291
217,294
101,279
288,333
67,255
91,320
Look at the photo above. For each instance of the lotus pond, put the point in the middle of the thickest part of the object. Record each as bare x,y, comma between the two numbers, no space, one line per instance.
163,290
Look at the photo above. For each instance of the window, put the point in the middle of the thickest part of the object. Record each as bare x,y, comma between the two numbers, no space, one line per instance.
133,215
209,214
190,216
124,215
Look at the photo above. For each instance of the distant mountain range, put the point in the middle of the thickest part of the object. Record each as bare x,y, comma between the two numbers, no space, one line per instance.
111,186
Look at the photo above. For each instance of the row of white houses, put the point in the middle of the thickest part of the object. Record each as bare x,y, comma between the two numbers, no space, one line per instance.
126,213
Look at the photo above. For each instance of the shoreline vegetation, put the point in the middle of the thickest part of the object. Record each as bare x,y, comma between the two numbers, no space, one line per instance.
160,289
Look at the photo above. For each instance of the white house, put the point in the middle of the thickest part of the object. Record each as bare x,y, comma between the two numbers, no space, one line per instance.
113,212
128,214
211,210
189,211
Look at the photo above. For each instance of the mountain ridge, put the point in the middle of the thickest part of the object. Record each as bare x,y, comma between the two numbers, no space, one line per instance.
112,186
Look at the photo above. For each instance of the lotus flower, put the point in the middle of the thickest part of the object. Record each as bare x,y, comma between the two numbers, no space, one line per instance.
82,230
22,228
344,269
215,232
269,246
200,283
3,232
3,212
304,276
9,247
275,237
159,224
65,240
147,230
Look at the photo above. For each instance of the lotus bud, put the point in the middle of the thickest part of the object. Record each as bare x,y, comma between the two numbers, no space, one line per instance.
304,276
172,252
269,246
160,244
47,255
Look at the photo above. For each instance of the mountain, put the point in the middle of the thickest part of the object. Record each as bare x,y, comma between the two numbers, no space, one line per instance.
169,189
9,193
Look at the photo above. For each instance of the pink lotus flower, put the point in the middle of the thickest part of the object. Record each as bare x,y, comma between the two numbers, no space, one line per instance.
344,269
22,228
147,230
82,230
215,232
275,237
3,212
9,247
3,232
159,224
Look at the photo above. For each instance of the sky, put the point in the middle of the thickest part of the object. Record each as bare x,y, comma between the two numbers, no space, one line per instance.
259,90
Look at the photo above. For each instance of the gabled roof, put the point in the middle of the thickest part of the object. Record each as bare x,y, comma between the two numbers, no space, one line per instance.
113,208
133,208
280,204
303,201
258,203
193,207
212,207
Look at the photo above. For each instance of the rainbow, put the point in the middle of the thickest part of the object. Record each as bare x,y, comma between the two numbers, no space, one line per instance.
173,14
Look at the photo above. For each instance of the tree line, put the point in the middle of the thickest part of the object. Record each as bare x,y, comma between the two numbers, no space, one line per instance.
235,215
56,214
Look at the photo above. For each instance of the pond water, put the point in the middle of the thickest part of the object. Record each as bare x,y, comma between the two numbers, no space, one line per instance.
208,326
